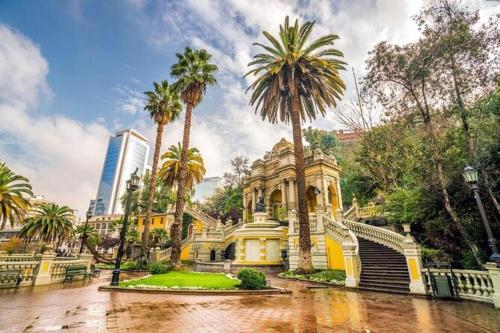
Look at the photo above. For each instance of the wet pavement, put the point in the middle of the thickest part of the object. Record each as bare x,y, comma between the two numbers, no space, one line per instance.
79,307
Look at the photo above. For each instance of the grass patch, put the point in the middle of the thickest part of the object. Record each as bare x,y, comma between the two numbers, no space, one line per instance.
185,280
335,276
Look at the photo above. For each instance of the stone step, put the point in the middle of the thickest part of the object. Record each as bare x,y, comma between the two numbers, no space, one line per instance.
384,289
391,274
382,284
389,282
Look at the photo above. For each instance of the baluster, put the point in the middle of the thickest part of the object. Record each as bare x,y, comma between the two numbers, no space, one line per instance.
460,285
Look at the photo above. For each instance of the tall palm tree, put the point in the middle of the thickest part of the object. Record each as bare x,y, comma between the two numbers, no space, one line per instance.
170,170
14,193
296,82
164,106
194,73
50,223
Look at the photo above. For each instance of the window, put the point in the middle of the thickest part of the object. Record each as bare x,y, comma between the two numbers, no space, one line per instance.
161,220
152,221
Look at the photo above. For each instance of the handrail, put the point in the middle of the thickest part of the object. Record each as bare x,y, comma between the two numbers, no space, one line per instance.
341,232
202,216
377,235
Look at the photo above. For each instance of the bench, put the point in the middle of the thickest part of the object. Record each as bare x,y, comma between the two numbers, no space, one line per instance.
73,271
11,277
96,272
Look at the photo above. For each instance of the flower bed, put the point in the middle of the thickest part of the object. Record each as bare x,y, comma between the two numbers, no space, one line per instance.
330,276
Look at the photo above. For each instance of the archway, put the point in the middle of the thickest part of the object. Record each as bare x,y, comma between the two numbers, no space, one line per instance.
231,251
311,199
275,204
249,210
212,255
190,230
333,198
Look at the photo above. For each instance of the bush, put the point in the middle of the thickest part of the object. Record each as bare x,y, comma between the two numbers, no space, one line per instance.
251,279
158,268
14,245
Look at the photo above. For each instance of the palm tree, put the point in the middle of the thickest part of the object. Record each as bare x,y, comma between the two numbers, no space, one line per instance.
90,239
14,190
170,170
50,223
194,73
164,106
294,83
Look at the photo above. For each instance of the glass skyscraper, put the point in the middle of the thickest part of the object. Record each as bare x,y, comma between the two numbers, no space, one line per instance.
127,150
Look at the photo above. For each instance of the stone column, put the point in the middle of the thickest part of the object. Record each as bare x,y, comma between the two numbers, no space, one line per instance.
292,217
262,249
254,200
284,202
291,195
412,253
351,267
42,274
319,196
339,194
245,208
240,249
494,271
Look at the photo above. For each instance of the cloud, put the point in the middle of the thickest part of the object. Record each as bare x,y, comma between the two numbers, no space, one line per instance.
129,101
61,156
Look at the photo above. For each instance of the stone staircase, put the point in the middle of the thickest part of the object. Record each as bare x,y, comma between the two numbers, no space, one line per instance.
383,269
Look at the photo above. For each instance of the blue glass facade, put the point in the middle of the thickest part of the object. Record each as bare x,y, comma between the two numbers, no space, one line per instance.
126,152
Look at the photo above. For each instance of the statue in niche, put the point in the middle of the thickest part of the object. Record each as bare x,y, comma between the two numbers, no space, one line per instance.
261,207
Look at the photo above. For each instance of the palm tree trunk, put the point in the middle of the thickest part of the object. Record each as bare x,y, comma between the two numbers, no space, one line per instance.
181,192
151,190
96,254
305,258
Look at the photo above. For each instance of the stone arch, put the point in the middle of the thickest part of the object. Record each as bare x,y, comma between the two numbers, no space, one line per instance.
213,254
190,230
275,203
311,199
333,198
231,251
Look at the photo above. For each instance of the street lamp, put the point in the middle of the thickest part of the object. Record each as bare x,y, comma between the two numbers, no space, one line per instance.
132,185
84,235
471,176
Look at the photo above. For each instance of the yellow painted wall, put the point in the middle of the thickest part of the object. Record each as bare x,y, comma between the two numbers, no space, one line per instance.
159,221
334,254
198,226
185,251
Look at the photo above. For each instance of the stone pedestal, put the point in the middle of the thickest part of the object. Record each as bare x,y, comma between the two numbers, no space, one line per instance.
88,258
42,275
351,267
494,271
413,257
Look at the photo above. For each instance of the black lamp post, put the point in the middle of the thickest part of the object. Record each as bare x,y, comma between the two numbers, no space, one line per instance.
132,185
84,235
471,176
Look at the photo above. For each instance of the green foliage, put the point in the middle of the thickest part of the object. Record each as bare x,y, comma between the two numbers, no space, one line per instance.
406,205
13,245
50,222
326,141
186,221
251,279
14,193
158,268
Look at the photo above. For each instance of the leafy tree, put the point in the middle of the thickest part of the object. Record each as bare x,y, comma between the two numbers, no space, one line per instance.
49,223
164,106
240,166
326,141
194,73
14,193
296,82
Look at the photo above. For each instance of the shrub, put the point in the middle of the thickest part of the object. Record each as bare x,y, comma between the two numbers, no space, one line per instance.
14,245
158,268
251,279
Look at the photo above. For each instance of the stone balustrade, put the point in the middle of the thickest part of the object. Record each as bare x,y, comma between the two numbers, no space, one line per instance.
41,268
469,284
382,236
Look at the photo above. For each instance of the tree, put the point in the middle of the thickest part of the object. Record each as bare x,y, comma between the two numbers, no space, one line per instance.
171,168
50,223
240,166
467,64
164,106
14,193
326,141
90,239
294,83
159,236
194,73
401,78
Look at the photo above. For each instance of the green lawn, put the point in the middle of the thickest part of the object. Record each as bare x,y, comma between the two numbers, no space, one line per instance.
182,279
128,265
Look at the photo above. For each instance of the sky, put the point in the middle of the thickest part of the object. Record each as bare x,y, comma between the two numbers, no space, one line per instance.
73,72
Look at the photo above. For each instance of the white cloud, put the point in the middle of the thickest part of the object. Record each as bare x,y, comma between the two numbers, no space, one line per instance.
61,157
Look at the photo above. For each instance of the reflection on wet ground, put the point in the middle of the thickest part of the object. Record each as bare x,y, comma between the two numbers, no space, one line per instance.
79,307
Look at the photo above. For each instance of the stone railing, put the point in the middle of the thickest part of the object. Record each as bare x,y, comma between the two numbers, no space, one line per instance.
469,284
16,257
379,235
313,224
338,231
230,229
356,212
162,255
203,217
58,268
369,210
27,269
350,213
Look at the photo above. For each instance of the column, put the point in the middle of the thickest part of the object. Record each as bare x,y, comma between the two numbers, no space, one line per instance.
494,271
254,200
42,275
245,208
412,254
88,257
351,267
291,195
283,195
339,194
260,193
319,196
262,249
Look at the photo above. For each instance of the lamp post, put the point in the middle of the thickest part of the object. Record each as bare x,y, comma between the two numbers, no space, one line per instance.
132,185
470,175
84,235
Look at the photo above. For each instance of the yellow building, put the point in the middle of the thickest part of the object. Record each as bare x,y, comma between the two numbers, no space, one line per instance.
160,221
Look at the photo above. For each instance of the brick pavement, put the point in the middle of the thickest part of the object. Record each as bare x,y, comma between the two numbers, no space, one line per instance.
79,307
